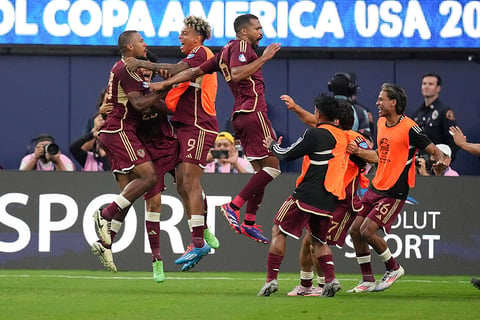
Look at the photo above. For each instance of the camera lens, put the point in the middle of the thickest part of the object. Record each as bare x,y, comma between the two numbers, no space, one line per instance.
52,149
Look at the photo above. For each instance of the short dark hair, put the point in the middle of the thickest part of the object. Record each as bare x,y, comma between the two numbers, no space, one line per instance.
432,74
242,21
327,106
345,114
394,92
124,39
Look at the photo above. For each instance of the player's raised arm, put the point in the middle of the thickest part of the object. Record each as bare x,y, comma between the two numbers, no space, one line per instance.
243,72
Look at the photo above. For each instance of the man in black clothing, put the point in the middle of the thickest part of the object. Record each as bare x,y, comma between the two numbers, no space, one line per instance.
434,116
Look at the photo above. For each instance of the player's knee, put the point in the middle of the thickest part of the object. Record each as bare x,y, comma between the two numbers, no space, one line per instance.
354,232
151,181
366,235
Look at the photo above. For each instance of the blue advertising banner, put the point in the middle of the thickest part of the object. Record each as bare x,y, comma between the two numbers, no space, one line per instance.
305,24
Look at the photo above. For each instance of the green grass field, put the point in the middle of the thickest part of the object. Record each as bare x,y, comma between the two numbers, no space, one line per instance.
67,294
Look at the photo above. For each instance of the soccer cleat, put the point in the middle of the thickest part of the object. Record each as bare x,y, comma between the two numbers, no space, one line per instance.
316,292
158,274
232,216
301,291
210,238
192,256
364,286
105,255
268,288
475,282
103,227
389,279
330,288
254,232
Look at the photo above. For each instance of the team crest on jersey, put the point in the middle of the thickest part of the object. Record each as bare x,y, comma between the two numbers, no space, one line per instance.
141,153
242,58
146,84
190,55
363,145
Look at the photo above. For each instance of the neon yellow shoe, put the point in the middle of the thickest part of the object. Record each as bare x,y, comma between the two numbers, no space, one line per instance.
158,274
210,239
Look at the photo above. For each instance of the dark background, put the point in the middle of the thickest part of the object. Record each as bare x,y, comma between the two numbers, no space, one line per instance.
54,89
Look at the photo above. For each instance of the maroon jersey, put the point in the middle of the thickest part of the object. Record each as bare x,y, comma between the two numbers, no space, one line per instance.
189,109
249,94
123,115
157,134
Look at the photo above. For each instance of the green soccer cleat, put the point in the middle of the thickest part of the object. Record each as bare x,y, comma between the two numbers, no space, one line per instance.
158,274
210,238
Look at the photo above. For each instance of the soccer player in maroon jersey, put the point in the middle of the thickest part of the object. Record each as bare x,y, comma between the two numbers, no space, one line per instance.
241,68
159,137
195,119
130,162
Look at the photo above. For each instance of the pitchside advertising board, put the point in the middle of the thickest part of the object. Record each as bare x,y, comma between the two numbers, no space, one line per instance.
293,23
46,223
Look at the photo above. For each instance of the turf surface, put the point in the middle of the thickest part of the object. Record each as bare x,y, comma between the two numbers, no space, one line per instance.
81,294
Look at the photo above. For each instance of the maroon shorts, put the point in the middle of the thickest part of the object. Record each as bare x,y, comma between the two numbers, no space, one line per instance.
162,166
162,148
343,216
342,219
381,209
194,144
124,150
294,216
251,129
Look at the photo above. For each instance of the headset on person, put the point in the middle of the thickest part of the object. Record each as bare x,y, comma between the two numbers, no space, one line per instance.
352,86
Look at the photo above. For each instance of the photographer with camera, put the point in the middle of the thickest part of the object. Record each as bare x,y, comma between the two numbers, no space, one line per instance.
225,157
423,164
46,156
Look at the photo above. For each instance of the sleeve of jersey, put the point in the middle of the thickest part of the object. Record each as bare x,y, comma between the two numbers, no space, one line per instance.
362,144
298,149
238,56
131,81
418,138
197,58
211,65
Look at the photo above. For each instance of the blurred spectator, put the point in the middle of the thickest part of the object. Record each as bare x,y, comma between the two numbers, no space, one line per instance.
101,101
434,116
424,168
87,151
46,156
225,157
